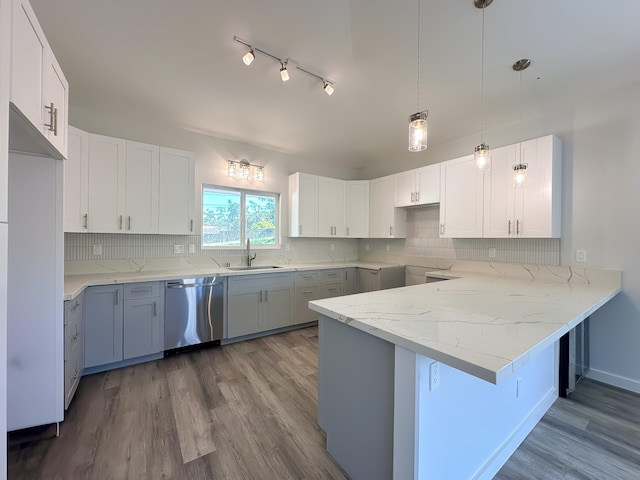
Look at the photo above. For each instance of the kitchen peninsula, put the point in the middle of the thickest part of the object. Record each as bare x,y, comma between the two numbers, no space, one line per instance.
445,380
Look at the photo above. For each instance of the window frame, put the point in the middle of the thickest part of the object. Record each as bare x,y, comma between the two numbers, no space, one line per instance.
243,218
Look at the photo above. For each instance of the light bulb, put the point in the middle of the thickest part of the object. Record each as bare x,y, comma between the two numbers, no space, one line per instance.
481,158
519,174
231,169
260,174
248,58
284,74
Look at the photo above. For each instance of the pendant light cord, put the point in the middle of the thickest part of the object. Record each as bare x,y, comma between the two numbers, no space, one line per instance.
418,87
482,81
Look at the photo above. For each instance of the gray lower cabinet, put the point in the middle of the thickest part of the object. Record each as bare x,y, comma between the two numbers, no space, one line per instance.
73,347
314,285
349,284
370,280
258,303
103,325
123,322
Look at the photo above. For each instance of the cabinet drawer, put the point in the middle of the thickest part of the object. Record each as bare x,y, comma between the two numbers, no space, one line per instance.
141,290
72,310
329,290
267,281
333,275
72,373
310,276
72,335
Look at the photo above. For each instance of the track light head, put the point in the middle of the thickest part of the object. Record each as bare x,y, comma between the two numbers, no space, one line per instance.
328,88
249,57
284,74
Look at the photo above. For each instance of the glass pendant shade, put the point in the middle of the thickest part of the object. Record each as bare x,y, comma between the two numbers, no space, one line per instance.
231,169
519,174
418,132
481,158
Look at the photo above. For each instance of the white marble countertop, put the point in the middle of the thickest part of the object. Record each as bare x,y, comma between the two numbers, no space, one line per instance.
128,272
485,323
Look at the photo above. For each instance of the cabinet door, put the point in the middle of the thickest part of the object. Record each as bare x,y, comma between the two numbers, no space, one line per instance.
176,192
349,284
277,307
499,221
385,221
29,50
141,190
325,218
537,201
428,184
56,98
107,157
461,191
76,181
357,209
368,280
103,325
243,313
338,208
330,290
143,332
405,188
303,205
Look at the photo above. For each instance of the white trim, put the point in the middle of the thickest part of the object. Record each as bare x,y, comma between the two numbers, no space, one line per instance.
616,380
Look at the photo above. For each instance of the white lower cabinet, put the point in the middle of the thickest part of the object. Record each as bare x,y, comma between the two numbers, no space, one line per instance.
257,303
123,322
73,347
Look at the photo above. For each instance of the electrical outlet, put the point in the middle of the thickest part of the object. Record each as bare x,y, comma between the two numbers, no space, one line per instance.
287,247
492,252
192,248
434,375
366,247
97,249
388,247
333,247
581,256
178,249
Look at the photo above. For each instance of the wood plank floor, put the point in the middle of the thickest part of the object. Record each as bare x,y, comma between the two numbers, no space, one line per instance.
248,411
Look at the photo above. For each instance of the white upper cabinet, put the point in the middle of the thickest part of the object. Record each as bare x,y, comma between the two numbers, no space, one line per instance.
141,189
176,192
418,187
76,182
303,205
531,210
331,207
385,221
358,209
106,211
39,89
461,199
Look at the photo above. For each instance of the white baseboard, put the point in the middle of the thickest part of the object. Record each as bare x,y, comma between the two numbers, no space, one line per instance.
616,380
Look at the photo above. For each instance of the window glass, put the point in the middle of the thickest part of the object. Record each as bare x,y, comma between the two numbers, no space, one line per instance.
230,216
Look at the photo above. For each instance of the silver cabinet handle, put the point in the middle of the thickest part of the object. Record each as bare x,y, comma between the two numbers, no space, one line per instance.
417,196
141,289
53,119
307,292
191,226
120,222
347,231
332,289
155,309
412,196
517,227
129,222
442,229
509,228
307,276
334,275
390,231
260,301
86,220
265,295
117,296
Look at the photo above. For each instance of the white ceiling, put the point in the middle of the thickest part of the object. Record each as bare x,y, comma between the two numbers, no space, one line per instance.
176,60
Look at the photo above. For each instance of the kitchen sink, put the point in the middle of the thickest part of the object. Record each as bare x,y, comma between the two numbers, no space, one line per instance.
254,267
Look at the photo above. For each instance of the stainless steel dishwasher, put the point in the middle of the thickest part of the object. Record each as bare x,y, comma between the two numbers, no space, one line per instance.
194,313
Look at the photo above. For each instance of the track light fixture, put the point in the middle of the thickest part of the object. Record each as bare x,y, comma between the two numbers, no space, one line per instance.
327,84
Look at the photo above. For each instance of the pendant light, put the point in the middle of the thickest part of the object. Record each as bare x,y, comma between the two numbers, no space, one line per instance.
520,169
418,121
481,158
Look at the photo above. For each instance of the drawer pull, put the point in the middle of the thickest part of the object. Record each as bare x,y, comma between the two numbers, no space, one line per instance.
332,289
141,289
307,293
307,276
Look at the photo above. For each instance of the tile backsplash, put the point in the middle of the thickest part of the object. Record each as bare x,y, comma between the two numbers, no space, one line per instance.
423,242
421,247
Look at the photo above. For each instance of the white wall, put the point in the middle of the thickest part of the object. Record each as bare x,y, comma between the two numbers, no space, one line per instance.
601,194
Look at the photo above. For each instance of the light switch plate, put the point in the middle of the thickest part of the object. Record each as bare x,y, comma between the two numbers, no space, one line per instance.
192,248
581,256
178,249
492,252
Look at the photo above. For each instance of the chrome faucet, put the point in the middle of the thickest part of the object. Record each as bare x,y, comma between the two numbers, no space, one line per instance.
249,257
